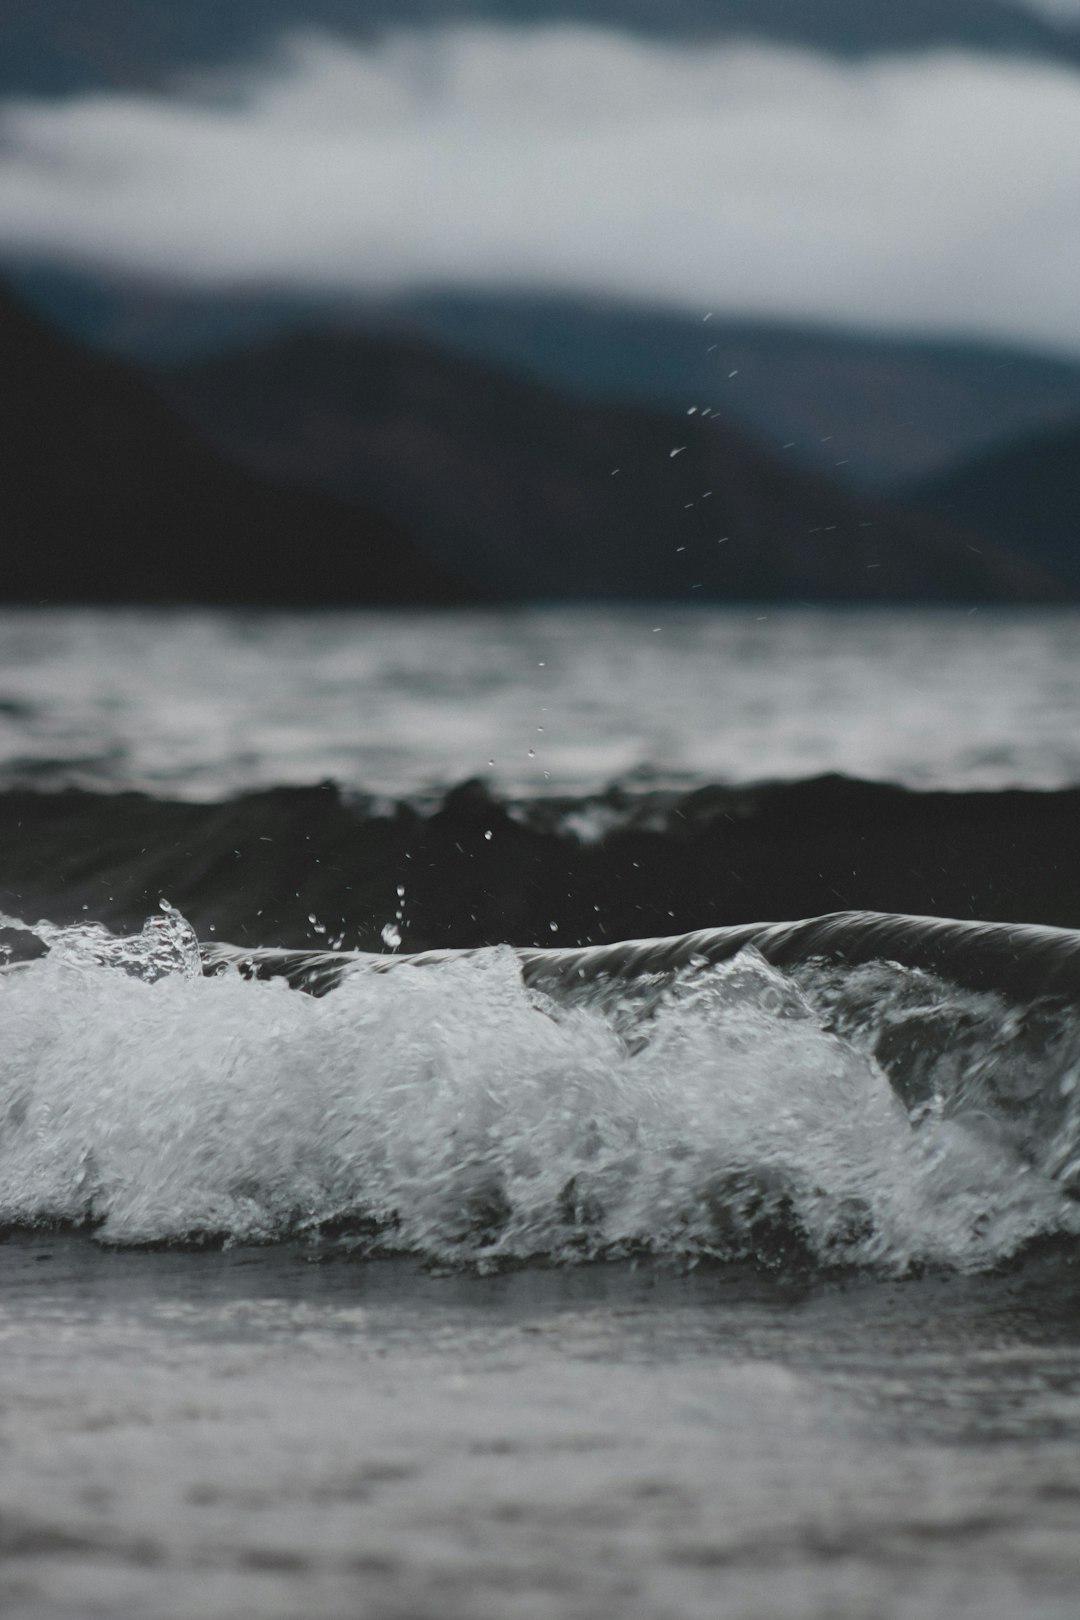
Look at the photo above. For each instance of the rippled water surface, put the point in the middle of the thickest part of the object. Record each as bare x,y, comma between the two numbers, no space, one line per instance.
249,1434
200,704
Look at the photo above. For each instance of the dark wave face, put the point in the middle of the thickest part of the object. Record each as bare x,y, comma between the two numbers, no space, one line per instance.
857,1090
311,866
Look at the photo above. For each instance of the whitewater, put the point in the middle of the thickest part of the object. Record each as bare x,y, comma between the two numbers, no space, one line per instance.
685,1100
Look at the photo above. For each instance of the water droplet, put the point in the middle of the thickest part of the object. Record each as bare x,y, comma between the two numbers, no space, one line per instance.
488,835
401,891
532,753
554,927
391,935
678,450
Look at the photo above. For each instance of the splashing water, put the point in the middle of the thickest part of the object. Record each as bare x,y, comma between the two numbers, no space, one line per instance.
166,945
721,1111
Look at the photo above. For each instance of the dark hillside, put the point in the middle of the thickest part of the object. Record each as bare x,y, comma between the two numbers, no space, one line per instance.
1026,495
109,496
868,410
526,493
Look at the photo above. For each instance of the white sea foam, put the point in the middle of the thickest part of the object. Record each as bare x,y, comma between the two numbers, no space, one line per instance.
454,1113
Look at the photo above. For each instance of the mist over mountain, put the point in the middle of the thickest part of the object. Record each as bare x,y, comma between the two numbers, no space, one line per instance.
525,493
917,193
51,47
110,497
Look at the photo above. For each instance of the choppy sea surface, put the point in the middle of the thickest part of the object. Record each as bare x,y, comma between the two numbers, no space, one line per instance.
727,1275
200,705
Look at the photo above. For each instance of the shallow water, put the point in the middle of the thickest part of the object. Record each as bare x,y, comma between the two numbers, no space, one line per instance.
249,1433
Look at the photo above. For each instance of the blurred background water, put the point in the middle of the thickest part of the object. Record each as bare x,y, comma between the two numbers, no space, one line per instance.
542,701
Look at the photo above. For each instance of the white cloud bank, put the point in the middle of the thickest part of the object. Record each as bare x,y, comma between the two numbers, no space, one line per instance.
1067,11
935,192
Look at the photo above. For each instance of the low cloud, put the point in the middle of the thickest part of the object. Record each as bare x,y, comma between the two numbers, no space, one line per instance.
1067,11
929,193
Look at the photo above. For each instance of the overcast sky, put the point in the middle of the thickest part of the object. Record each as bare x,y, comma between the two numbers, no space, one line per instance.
928,193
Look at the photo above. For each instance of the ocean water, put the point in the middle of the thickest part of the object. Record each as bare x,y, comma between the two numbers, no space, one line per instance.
733,1274
539,701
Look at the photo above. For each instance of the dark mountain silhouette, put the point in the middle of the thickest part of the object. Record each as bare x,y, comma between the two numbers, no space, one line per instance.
510,489
50,47
1025,495
524,493
109,496
869,411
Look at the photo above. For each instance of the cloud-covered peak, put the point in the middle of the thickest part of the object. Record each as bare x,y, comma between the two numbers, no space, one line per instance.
936,192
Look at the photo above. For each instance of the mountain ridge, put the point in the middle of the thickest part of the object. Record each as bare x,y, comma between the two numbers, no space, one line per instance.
873,411
535,494
108,496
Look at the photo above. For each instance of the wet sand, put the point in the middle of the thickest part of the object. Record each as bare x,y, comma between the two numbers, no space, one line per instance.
253,1436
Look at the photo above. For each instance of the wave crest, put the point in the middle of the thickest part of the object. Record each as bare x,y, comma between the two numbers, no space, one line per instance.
688,1099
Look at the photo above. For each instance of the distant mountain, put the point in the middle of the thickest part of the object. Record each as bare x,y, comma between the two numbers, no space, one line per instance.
55,47
1026,495
870,412
109,496
525,493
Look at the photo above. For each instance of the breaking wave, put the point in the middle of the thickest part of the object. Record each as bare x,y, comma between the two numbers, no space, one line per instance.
887,1093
